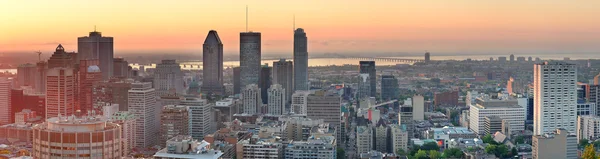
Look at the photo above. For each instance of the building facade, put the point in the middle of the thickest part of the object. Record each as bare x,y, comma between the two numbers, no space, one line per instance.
168,78
200,114
142,104
300,60
503,107
212,64
554,109
6,113
283,74
276,104
251,99
299,102
557,144
368,67
173,122
60,92
389,87
96,46
250,55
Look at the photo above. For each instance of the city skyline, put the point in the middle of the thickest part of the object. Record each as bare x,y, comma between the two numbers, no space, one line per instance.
401,26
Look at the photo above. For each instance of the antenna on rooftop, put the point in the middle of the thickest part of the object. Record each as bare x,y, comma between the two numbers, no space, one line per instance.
39,55
94,28
294,21
246,18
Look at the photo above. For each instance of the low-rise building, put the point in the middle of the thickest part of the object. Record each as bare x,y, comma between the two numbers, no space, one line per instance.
185,147
314,148
559,144
445,134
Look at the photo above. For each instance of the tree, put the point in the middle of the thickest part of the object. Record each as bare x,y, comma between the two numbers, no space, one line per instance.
400,152
488,139
430,146
434,154
520,140
453,153
490,149
421,154
502,151
589,152
514,151
341,154
583,143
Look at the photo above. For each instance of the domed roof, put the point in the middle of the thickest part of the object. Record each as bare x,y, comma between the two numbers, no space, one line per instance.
93,68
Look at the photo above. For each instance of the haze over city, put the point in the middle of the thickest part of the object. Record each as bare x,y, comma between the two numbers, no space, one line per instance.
336,26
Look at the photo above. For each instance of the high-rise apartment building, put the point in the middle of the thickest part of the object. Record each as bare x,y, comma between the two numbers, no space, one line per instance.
555,144
200,117
555,97
60,92
173,122
251,99
368,67
588,127
26,74
168,78
277,100
300,60
5,101
89,73
299,102
212,64
96,46
389,87
283,74
399,138
264,82
324,106
364,139
142,104
250,55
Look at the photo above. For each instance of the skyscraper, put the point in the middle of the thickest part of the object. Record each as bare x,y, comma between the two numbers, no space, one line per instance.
96,46
212,63
512,58
277,100
40,77
60,92
60,58
368,67
173,122
427,57
300,60
283,74
555,93
299,101
250,54
142,103
251,100
200,116
364,86
89,73
120,68
5,99
26,75
389,87
264,82
168,78
324,106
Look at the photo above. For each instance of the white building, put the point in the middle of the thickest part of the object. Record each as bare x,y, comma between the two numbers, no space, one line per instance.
142,104
299,102
314,148
5,108
586,108
200,117
259,149
364,139
251,100
128,131
418,104
399,138
185,147
276,100
555,93
500,105
168,78
588,127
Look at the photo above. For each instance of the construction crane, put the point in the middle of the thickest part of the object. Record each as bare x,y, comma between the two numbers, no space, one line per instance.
39,55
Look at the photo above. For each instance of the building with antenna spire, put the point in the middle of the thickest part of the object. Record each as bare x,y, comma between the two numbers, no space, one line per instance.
250,55
300,59
96,46
212,64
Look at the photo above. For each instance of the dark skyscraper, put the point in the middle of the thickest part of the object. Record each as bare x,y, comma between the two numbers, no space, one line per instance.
389,87
300,60
368,67
95,46
264,82
283,75
212,63
250,48
427,57
236,80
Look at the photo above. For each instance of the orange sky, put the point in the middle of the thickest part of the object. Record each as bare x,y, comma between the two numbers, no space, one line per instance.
332,25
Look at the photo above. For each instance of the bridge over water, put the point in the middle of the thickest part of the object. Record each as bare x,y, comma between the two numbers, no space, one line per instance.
197,64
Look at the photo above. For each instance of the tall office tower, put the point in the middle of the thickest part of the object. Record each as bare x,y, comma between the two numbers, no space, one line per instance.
264,82
60,58
405,118
427,57
200,116
236,80
212,64
364,86
250,54
299,101
555,97
89,73
251,100
277,100
283,74
418,104
300,60
26,75
168,78
60,92
364,139
5,99
512,58
368,67
173,122
96,46
324,106
389,87
113,91
77,137
40,77
597,79
559,143
120,68
142,104
509,85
